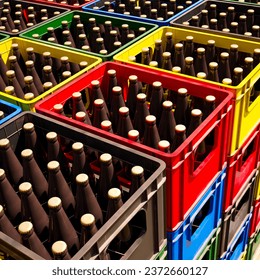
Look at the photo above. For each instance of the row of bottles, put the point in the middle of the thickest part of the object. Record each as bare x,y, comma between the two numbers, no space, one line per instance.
59,205
92,35
16,18
150,114
229,20
157,10
30,75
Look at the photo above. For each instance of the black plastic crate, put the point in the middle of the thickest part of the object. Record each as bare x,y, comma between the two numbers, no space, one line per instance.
144,211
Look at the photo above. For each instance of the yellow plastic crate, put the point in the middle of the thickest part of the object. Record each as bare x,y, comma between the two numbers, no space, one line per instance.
56,52
246,115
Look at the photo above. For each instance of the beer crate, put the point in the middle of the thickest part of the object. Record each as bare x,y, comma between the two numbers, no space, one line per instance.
70,5
222,6
144,211
188,241
238,246
39,48
240,166
253,244
100,19
187,179
245,113
9,110
37,8
210,251
98,7
235,215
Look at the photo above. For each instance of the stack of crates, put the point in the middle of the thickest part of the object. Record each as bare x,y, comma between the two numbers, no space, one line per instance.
186,209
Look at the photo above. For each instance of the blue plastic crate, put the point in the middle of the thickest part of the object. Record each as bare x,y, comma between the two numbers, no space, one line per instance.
10,110
92,7
193,234
239,242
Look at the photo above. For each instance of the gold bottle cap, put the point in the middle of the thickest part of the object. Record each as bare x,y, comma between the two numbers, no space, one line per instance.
53,165
201,50
66,74
250,11
234,23
242,17
2,114
176,69
157,84
167,104
29,63
231,8
2,174
234,46
182,91
150,119
81,116
25,187
105,157
1,210
77,146
222,14
64,59
195,17
28,79
205,26
133,78
51,136
257,51
47,85
87,220
111,72
213,65
196,112
59,247
204,11
85,48
166,54
137,170
100,40
211,42
178,46
47,68
145,50
46,54
163,145
4,143
227,81
15,30
14,46
249,59
201,75
52,39
123,110
224,55
168,34
238,70
95,83
131,58
186,23
98,102
153,63
54,202
117,89
25,227
158,41
210,98
83,64
82,178
12,58
179,128
133,134
141,96
76,95
114,193
189,60
106,125
26,153
112,32
28,126
9,90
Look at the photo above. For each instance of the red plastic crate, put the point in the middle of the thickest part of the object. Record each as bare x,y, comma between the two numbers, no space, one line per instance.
67,6
186,182
255,222
240,166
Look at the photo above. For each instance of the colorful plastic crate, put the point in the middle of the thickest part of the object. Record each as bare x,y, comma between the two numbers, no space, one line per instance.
239,243
245,116
3,37
255,223
188,241
37,8
100,19
239,167
222,6
56,52
235,215
9,110
210,251
144,211
99,8
71,4
187,180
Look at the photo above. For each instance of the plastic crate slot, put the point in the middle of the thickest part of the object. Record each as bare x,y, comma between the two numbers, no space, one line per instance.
247,153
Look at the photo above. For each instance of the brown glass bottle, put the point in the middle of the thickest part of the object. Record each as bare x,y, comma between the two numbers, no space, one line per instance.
213,72
6,226
116,103
99,113
30,86
180,136
178,58
156,100
133,90
48,75
32,210
158,51
137,179
124,122
17,69
151,135
77,104
181,106
33,174
31,71
31,240
96,93
9,199
112,82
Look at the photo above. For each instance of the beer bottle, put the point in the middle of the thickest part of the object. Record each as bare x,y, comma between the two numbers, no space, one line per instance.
233,57
151,135
210,51
133,90
31,71
86,201
158,52
167,122
112,82
137,179
178,59
96,93
222,22
3,70
194,21
4,22
242,24
60,227
99,113
167,63
204,18
189,47
145,59
33,174
124,122
156,100
189,67
32,210
200,64
30,86
181,106
212,11
31,240
213,72
19,16
60,250
180,137
10,162
230,15
116,103
210,104
256,31
17,70
48,75
169,45
234,27
77,104
6,226
9,199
